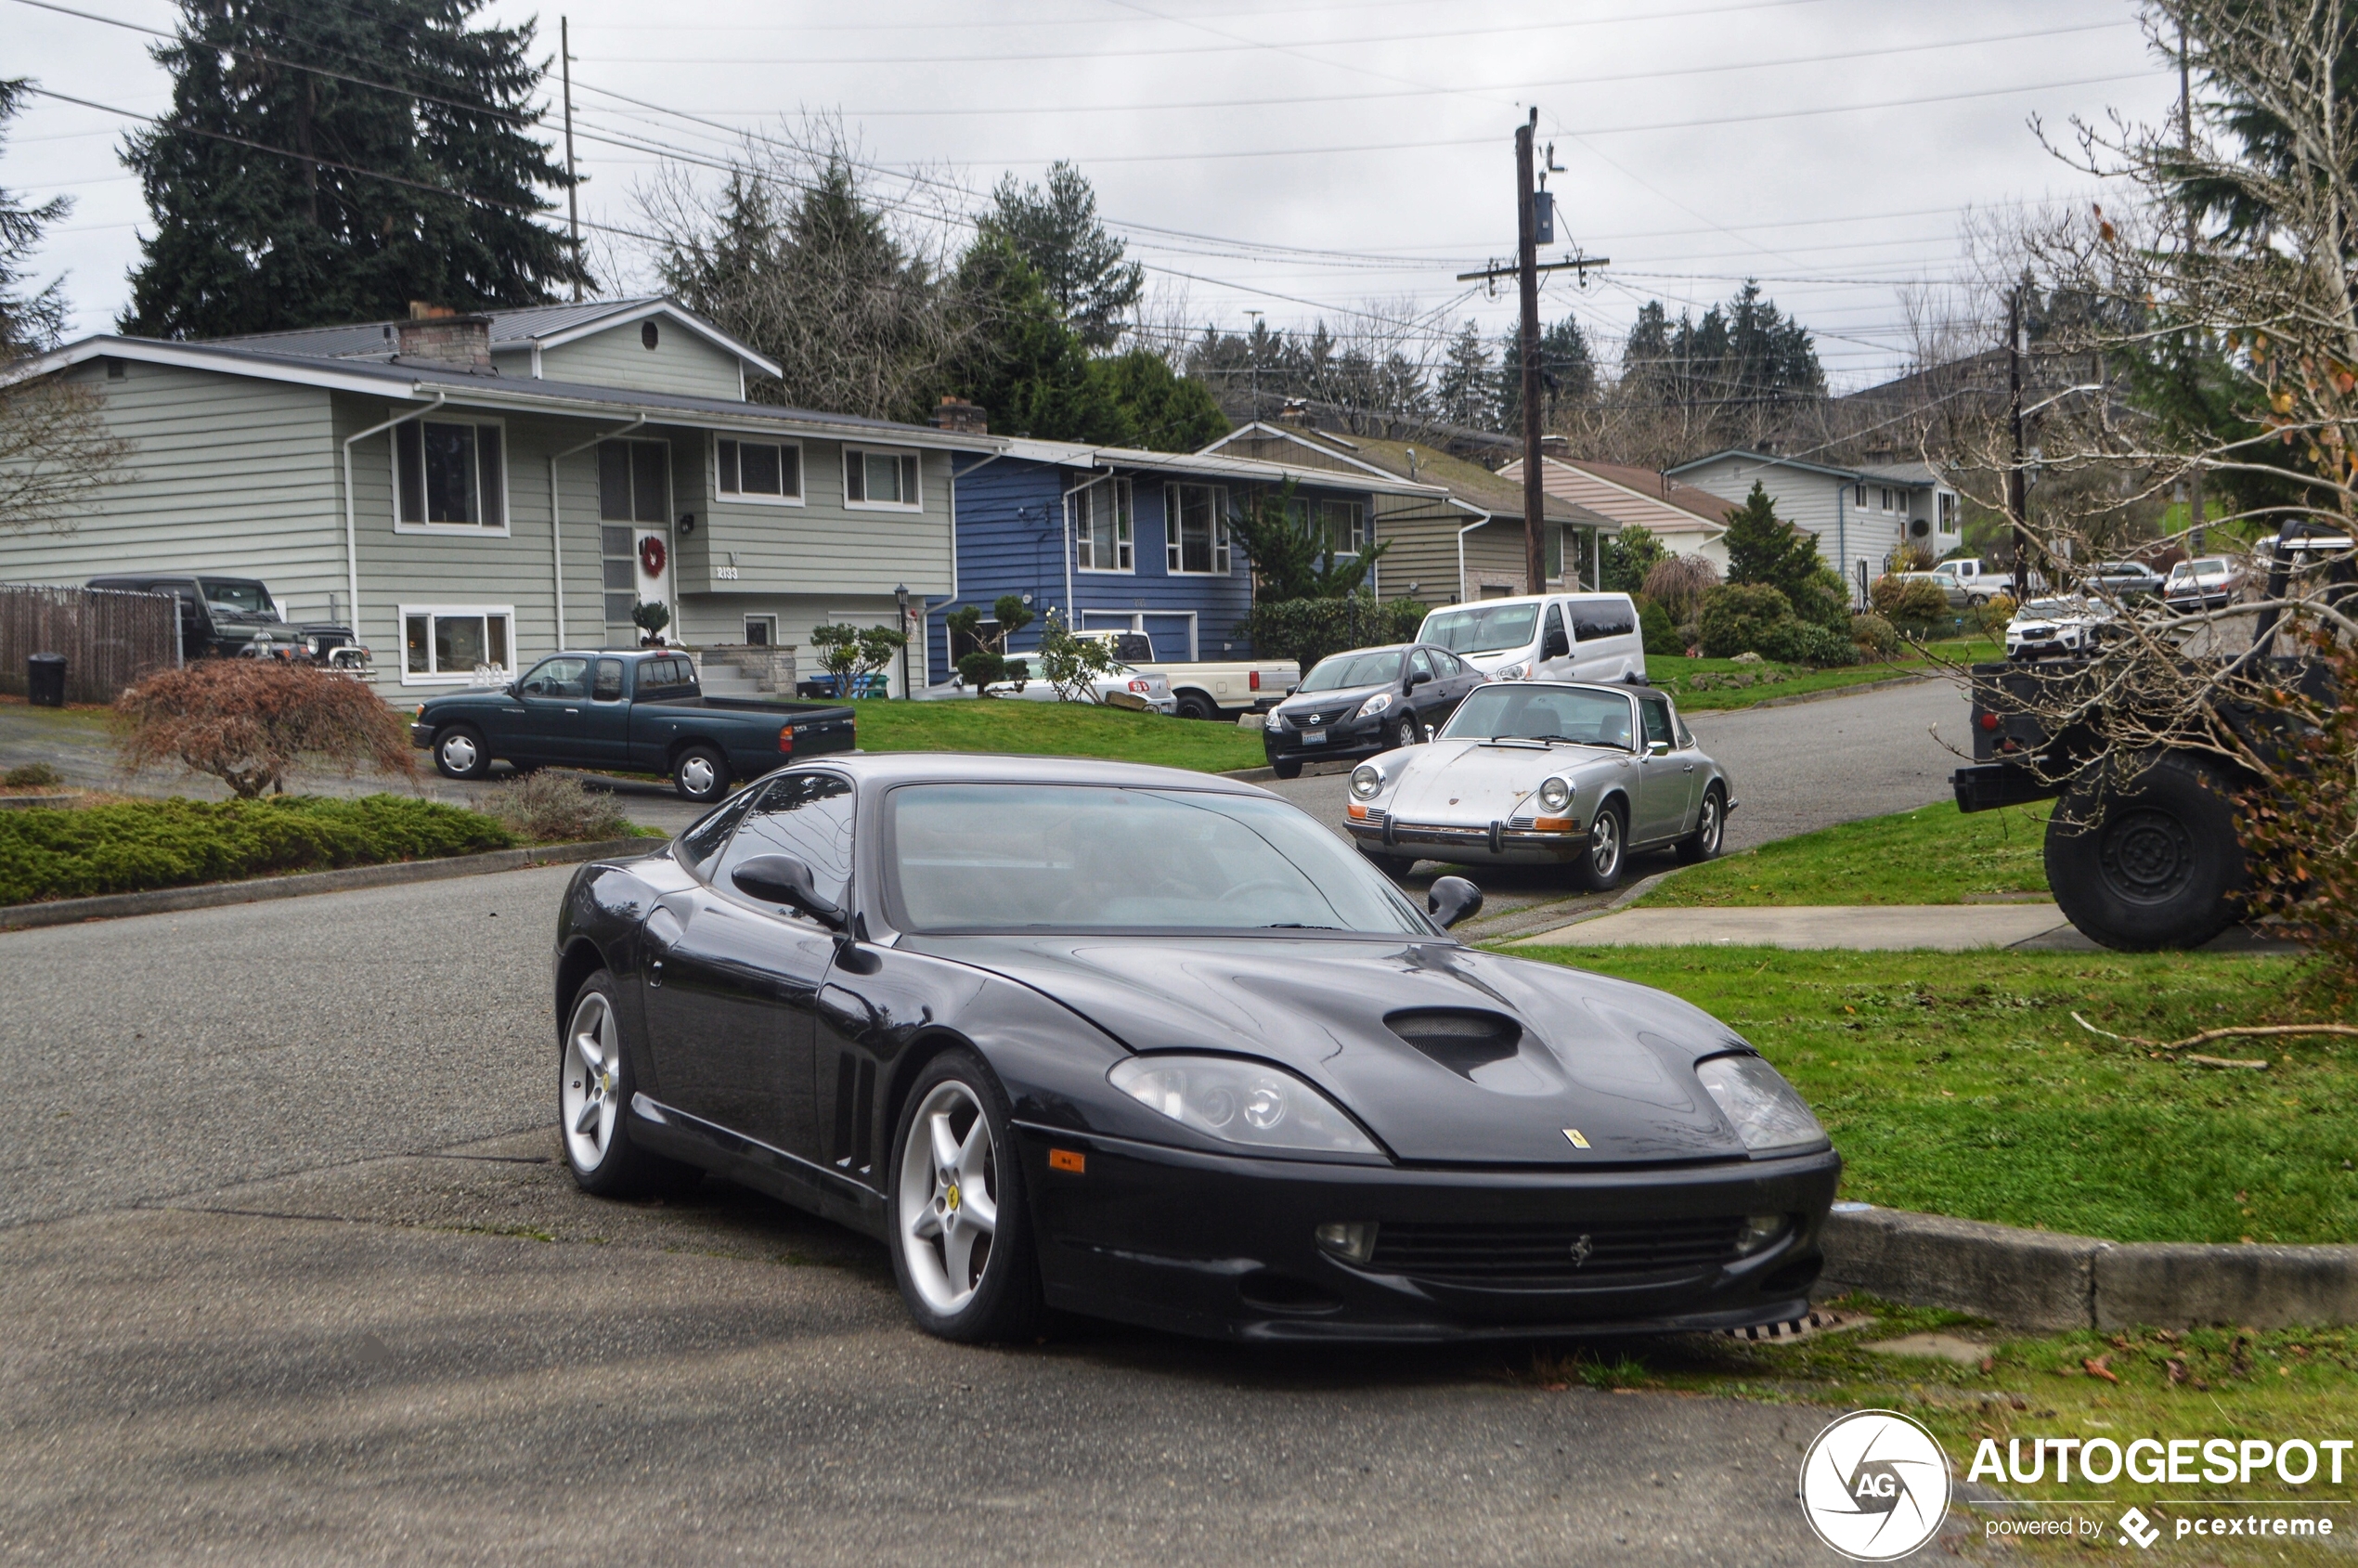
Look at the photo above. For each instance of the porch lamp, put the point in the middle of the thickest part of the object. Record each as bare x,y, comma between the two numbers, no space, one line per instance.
901,597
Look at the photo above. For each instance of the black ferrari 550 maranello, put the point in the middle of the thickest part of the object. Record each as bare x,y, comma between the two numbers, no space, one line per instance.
1157,1047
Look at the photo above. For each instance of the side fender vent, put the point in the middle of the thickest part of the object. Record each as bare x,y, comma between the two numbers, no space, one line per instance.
855,1114
1462,1040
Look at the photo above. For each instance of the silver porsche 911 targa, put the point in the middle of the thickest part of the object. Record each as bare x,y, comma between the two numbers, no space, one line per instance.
1541,772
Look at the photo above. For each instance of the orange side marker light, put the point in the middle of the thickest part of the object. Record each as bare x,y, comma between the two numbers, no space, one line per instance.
1070,1160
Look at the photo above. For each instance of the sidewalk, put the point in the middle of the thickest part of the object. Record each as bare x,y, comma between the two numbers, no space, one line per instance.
2035,928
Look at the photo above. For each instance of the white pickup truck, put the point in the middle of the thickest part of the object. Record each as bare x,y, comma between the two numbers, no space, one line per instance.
1208,691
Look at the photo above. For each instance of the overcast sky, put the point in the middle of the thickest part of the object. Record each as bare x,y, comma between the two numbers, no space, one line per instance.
1307,157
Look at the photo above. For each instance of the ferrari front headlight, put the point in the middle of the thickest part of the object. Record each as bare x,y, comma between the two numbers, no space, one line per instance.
1554,796
1243,1102
1763,1108
1367,780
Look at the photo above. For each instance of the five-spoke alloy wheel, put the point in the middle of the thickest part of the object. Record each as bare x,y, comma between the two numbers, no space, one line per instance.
594,1100
961,1243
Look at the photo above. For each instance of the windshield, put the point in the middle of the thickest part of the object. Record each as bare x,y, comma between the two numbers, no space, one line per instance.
1482,629
1540,713
2051,609
249,598
1345,671
2209,566
1003,857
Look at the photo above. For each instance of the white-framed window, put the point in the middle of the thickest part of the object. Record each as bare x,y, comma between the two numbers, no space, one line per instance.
619,572
1195,530
450,475
1345,526
757,471
761,631
448,644
1101,528
880,478
1858,496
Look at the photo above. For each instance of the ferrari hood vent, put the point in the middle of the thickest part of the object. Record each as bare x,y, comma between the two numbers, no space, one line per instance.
1462,1040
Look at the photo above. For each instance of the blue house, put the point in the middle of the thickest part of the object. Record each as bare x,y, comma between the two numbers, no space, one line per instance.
1114,538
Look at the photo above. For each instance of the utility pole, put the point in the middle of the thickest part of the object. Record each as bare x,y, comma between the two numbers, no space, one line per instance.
573,195
1252,351
1526,271
2196,514
2016,511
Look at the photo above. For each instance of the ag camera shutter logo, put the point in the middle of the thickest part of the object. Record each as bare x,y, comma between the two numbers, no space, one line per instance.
1875,1485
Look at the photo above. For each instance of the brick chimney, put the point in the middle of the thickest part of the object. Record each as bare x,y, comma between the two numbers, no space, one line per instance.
438,335
959,415
1555,447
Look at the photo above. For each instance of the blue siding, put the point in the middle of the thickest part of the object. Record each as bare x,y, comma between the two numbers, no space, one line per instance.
1011,539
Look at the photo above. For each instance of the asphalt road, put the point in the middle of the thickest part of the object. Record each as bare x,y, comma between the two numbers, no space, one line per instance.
291,1277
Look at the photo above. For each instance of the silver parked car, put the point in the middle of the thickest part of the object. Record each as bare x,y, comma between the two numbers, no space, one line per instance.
1532,773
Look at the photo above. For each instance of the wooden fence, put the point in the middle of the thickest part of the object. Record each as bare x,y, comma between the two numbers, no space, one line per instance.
109,639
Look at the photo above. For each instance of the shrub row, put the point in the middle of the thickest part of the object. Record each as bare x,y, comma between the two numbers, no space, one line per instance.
1755,619
1308,629
132,846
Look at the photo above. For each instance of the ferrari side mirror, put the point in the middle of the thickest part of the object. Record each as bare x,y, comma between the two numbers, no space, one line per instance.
782,879
1451,898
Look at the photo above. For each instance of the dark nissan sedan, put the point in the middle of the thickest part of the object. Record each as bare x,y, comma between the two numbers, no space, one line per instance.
1364,703
1156,1047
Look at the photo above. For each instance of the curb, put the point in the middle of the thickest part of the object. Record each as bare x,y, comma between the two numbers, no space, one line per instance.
1252,775
2045,1280
164,901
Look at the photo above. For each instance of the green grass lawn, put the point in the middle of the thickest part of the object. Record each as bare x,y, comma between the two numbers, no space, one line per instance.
1932,855
1056,730
1676,675
1958,1084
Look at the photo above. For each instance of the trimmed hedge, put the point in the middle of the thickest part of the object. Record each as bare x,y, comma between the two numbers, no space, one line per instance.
136,845
1308,629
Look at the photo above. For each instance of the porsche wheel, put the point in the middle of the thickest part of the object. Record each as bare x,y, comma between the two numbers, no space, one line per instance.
593,1097
961,1242
458,753
1711,830
1600,869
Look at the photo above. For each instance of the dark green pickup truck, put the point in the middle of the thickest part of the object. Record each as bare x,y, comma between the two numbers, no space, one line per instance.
630,712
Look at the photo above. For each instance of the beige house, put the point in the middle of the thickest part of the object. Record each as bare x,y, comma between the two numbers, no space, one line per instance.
1463,540
1687,520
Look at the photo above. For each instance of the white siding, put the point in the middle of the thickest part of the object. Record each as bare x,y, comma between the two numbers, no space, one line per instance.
1819,502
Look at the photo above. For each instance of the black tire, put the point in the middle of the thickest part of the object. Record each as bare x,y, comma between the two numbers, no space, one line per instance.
700,775
1588,870
458,753
1286,767
1195,705
1006,1299
1408,733
621,1168
1711,830
2149,864
1394,866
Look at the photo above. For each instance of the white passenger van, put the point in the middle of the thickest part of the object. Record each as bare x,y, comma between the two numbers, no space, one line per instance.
1544,636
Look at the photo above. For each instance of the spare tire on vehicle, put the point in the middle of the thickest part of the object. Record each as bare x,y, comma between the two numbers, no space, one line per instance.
2145,856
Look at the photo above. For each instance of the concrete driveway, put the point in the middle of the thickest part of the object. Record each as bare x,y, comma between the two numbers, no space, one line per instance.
293,1277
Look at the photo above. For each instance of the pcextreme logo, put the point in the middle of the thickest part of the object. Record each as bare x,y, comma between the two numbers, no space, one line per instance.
1875,1485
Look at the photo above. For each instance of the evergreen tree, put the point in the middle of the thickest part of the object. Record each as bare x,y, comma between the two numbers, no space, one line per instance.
1746,352
1764,549
29,322
1567,373
1029,372
1628,556
1079,262
1468,389
264,220
1161,411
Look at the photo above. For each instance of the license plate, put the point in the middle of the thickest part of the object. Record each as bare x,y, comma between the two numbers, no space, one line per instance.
1315,737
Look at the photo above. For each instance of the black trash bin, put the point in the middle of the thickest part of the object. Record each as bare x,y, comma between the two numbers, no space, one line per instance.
45,680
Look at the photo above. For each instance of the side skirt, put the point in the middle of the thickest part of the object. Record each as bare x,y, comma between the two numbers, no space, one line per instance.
787,1177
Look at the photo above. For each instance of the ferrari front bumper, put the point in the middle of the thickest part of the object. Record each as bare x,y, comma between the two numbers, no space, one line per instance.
1227,1247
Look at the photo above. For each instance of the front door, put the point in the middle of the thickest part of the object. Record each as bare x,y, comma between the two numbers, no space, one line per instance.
1666,778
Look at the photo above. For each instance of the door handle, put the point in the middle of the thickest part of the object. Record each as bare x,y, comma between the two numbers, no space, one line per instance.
1688,769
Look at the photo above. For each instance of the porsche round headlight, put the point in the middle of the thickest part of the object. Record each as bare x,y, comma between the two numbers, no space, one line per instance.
1367,780
1241,1102
1761,1106
1374,705
1554,796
